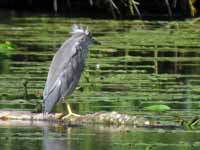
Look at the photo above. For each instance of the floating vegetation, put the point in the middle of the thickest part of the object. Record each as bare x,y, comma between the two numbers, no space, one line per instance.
158,108
139,64
6,48
193,123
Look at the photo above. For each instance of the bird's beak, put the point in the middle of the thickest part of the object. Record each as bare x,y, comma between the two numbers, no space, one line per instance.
96,42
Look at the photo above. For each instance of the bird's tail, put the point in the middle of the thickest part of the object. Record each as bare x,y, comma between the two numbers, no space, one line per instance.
51,98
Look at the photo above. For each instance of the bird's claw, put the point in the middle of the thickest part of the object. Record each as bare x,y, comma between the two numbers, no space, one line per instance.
63,116
59,115
70,115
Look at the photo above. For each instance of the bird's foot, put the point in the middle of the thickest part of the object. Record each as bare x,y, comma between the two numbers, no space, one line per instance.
63,116
71,114
60,115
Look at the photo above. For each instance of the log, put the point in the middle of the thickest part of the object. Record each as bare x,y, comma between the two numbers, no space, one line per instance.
103,118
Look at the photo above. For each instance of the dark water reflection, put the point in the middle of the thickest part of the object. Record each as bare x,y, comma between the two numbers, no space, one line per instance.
40,135
52,138
51,144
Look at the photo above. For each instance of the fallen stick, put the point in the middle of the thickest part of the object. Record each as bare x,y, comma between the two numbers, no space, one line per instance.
105,118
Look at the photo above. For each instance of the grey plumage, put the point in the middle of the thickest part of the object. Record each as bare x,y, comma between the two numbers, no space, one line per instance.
66,67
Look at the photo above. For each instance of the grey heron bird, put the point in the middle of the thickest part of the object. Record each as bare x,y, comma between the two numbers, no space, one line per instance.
66,68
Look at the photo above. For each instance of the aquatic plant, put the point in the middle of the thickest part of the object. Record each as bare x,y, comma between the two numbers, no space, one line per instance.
117,6
6,47
192,123
131,4
119,74
158,108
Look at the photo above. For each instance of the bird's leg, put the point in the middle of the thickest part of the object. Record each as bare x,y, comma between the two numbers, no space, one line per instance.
70,113
64,113
64,107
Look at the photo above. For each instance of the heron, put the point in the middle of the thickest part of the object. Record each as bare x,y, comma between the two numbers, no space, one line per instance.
66,68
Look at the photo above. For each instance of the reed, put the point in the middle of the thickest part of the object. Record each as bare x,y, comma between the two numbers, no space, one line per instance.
132,7
113,8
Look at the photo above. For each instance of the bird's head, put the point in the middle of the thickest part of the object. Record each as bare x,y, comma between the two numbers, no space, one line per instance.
84,34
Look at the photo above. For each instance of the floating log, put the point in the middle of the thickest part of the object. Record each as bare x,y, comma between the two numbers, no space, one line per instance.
104,118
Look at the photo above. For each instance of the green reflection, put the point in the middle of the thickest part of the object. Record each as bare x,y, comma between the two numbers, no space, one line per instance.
50,137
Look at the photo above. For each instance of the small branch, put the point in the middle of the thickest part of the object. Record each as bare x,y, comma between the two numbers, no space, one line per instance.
55,6
174,3
91,2
168,8
133,3
137,9
69,3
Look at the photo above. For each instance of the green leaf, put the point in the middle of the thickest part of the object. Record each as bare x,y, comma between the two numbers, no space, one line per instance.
158,108
6,47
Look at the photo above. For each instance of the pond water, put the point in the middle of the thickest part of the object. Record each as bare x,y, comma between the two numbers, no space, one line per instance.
139,64
57,137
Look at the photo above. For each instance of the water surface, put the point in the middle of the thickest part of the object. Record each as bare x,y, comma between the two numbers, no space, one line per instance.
50,137
139,63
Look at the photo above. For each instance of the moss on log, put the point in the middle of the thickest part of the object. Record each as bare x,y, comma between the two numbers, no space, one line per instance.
105,118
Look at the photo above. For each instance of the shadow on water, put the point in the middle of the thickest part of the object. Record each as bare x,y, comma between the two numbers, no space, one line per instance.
50,143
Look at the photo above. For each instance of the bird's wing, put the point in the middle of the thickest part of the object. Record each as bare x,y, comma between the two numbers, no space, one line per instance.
53,96
61,58
64,85
64,72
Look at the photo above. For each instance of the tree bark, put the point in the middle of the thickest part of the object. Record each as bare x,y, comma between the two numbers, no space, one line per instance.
105,118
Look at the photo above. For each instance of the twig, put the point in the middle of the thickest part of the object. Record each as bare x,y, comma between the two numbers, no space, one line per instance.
69,3
114,6
136,9
55,6
91,2
174,3
168,8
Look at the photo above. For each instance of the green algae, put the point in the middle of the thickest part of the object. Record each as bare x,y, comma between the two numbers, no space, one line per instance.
139,63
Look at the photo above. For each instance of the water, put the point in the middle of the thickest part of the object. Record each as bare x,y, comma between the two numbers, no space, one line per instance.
51,137
140,63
